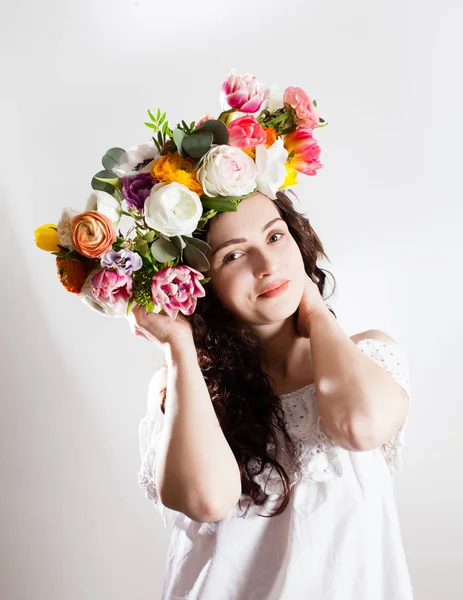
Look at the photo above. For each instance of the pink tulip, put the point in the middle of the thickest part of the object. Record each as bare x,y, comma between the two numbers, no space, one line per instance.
244,92
110,288
177,289
246,132
303,151
305,112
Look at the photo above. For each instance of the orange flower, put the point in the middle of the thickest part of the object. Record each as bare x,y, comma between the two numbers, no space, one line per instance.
92,233
172,168
71,273
271,136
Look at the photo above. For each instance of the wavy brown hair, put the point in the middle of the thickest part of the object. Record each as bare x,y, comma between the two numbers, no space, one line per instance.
246,405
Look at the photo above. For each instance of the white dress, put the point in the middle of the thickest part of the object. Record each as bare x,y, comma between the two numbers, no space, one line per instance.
338,539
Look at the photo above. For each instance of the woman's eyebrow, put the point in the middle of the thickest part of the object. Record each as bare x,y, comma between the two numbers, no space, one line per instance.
240,240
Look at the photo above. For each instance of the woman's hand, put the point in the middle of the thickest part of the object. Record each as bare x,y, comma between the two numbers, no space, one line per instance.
158,327
311,302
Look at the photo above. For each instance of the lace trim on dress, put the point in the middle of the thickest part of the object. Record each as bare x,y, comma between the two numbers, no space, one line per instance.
317,452
149,434
391,357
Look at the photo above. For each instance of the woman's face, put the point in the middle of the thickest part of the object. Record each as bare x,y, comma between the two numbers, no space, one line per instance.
240,270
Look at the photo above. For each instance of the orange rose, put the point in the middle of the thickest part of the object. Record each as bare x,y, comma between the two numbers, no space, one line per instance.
92,233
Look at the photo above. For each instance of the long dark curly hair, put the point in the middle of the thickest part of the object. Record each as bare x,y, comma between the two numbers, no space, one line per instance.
229,357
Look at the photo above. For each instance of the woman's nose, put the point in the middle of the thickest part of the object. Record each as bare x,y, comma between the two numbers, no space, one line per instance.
264,263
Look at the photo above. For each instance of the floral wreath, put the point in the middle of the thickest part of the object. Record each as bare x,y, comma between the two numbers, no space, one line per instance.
169,188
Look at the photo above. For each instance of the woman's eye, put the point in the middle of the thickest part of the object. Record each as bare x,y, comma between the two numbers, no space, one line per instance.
229,259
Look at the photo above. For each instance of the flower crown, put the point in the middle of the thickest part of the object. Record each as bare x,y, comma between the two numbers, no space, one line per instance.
171,187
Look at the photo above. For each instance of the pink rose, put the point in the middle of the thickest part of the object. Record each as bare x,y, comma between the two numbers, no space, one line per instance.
300,102
109,288
246,132
244,92
177,289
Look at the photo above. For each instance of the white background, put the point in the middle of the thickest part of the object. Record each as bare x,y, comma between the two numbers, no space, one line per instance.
77,78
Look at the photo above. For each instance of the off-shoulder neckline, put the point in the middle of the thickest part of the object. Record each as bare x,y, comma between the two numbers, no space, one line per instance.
306,387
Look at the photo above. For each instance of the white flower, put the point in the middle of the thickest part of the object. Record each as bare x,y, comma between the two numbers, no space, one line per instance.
227,171
274,100
64,226
270,166
133,157
105,308
173,209
106,204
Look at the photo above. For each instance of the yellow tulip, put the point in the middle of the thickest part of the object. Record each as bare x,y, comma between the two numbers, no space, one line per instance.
47,238
291,176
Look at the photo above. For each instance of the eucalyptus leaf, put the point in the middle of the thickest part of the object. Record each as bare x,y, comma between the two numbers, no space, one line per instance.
200,244
196,258
164,250
197,145
218,129
104,186
179,136
112,158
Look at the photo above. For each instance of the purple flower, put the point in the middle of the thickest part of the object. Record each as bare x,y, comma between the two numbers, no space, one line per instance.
124,261
136,189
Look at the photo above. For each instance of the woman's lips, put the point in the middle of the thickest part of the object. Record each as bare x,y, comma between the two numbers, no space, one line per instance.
276,291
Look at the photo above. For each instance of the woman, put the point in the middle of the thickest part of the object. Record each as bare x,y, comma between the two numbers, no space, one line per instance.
265,401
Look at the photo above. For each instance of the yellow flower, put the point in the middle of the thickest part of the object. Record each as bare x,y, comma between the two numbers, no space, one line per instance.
172,168
250,152
291,176
47,238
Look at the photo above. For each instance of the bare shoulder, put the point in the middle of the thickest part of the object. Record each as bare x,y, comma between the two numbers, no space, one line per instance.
157,383
375,334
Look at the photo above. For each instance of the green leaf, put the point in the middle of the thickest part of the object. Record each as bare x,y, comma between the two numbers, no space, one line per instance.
179,136
149,237
200,244
218,129
179,244
196,259
129,306
219,203
112,158
197,145
142,246
204,281
164,250
107,181
314,102
151,115
150,125
158,115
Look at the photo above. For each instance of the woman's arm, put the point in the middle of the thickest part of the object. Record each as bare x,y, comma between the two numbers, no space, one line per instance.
196,472
360,404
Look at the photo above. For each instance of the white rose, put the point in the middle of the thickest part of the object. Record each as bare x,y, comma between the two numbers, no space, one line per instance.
173,209
270,166
108,310
227,171
133,157
64,226
106,204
